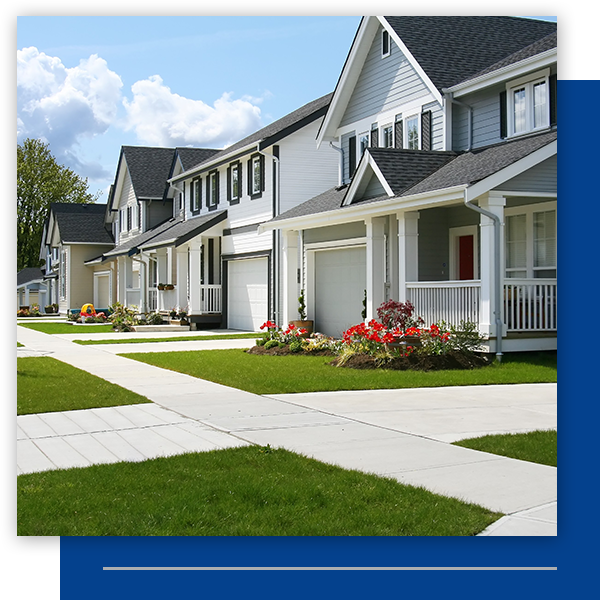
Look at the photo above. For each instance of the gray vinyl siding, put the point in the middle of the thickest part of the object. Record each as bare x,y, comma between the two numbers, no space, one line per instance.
541,178
383,84
157,212
437,125
347,231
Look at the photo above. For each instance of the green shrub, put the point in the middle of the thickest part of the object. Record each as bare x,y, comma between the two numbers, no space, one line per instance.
271,344
296,346
122,317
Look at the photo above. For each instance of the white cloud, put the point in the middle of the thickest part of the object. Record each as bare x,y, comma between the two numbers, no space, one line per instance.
162,118
63,105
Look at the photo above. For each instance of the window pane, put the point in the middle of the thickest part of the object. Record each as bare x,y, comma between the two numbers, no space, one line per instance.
520,110
388,141
544,239
539,104
256,176
516,244
412,133
234,183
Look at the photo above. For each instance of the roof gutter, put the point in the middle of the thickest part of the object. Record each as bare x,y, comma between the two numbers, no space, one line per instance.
497,271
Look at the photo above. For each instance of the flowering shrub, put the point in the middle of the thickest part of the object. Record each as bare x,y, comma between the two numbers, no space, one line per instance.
398,314
275,333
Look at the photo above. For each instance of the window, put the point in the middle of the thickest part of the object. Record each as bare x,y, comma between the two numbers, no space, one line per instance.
63,274
411,126
256,176
374,136
387,134
531,242
234,183
385,44
123,219
129,217
363,143
528,105
196,195
212,190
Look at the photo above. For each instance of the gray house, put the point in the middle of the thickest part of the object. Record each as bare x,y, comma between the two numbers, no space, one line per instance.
447,197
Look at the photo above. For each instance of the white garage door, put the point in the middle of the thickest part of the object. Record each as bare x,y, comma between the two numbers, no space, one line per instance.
102,291
248,297
340,281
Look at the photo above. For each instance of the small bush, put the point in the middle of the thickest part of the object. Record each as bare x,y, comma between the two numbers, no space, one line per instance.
296,346
271,344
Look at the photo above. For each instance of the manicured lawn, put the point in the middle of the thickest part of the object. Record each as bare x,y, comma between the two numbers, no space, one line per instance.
240,491
535,446
45,384
297,374
57,328
191,338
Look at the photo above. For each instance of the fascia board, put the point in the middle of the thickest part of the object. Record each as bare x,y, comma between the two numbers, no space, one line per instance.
348,78
518,167
411,59
121,171
533,63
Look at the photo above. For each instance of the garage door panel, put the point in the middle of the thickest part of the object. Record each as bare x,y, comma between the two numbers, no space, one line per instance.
248,295
340,281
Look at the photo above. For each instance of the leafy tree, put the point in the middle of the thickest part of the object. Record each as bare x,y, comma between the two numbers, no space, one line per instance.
40,181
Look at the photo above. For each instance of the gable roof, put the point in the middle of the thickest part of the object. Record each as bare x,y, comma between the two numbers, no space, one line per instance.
29,275
265,137
190,157
81,223
443,51
149,169
453,49
456,170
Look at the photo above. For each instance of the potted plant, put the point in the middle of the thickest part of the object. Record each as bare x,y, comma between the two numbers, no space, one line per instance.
303,322
169,286
161,286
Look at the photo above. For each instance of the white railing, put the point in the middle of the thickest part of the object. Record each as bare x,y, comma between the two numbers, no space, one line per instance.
530,304
449,301
132,297
210,299
152,300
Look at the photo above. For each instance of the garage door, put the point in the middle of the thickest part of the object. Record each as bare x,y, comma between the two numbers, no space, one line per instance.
340,281
247,293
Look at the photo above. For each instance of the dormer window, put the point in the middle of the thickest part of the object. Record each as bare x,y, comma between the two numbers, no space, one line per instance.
411,127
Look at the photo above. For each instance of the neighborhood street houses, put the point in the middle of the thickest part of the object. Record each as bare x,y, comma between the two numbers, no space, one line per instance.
428,175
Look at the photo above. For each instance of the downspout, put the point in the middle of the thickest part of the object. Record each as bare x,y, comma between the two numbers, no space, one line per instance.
497,271
341,151
143,302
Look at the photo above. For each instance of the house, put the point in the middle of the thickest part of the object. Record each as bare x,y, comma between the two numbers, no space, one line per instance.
31,288
446,128
140,205
74,234
207,249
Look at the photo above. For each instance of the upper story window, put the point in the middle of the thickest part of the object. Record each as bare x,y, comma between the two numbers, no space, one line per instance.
129,218
196,195
256,176
387,136
385,44
234,183
123,219
411,131
528,104
212,190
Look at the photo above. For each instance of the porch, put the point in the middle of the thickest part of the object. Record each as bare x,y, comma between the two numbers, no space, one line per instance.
206,301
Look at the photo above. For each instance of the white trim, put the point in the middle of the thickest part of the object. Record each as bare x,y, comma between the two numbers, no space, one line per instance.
527,82
455,233
335,244
357,181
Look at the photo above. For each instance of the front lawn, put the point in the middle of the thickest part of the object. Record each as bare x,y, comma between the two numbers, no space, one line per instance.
535,446
190,338
45,384
301,373
57,328
240,491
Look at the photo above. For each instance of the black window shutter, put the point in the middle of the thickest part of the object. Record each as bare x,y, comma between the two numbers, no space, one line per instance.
208,191
426,130
199,192
553,87
217,187
262,173
229,184
374,137
351,155
398,132
503,115
250,177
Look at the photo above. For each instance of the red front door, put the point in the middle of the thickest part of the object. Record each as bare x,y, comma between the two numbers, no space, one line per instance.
465,257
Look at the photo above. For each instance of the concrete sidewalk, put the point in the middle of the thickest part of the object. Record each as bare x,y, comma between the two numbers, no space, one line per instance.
403,434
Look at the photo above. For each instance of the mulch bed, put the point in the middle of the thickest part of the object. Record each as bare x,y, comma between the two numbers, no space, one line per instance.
415,362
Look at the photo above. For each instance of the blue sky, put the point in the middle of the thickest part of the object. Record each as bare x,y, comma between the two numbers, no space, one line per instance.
89,85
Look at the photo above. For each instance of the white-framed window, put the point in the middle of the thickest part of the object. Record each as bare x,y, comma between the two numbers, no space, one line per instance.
213,189
196,195
256,175
387,136
385,43
528,104
123,219
363,143
411,132
235,182
530,237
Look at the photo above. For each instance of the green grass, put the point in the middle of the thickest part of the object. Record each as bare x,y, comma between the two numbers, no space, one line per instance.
242,491
57,328
298,374
45,384
536,446
191,338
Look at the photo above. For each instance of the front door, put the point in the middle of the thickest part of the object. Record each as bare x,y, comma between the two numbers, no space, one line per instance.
465,257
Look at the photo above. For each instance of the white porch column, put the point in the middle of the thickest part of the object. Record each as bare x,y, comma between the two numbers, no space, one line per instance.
143,284
494,203
408,251
182,276
289,282
195,291
375,265
121,280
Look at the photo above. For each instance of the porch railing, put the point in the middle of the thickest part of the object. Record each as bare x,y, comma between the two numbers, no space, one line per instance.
152,300
530,304
210,299
449,301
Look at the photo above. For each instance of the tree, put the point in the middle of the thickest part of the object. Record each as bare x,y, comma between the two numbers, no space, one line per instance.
40,181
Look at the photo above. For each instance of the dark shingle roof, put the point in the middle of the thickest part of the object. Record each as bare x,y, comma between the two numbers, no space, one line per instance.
453,49
190,157
81,223
452,170
280,128
29,274
149,169
131,245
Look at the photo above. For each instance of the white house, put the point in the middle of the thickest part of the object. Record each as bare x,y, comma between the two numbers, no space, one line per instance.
448,181
208,248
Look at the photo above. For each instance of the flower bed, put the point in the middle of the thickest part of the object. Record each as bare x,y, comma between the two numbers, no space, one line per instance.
398,341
